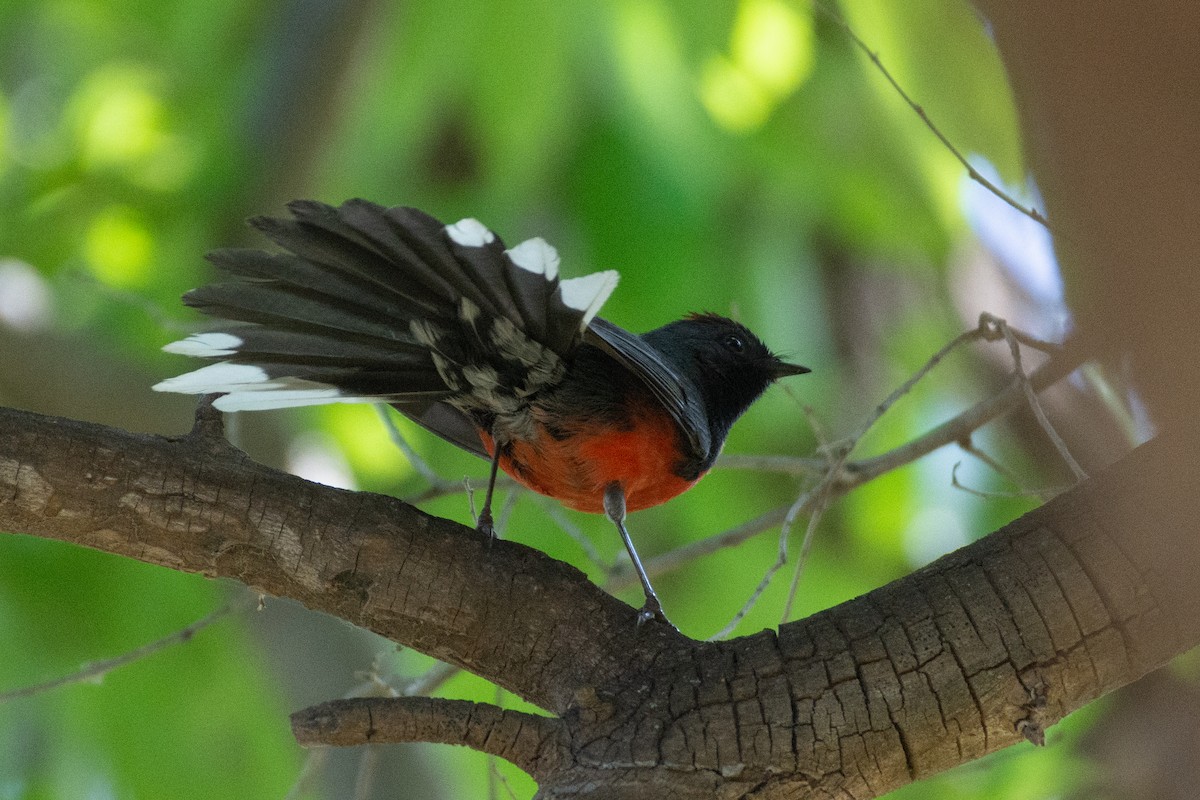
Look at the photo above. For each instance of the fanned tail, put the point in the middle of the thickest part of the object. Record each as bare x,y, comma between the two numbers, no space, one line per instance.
367,304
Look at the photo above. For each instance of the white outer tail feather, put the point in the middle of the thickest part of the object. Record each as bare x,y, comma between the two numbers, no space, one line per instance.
588,293
222,377
245,387
536,256
470,232
206,345
286,398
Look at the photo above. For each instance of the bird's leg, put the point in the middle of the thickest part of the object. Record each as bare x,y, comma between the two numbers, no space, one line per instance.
614,509
484,524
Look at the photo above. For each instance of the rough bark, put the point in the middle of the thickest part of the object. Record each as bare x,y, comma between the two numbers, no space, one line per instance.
979,650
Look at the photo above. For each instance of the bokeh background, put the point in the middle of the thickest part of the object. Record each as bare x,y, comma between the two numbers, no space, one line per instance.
740,156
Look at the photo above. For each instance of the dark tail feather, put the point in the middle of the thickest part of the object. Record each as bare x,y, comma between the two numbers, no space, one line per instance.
374,241
285,269
332,319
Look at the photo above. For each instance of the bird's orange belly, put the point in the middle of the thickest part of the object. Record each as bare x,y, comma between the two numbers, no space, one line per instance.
575,471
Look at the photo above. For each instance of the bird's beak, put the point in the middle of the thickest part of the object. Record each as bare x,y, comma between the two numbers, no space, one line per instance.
782,369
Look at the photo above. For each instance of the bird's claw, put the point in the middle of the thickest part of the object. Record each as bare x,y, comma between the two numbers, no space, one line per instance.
486,526
652,610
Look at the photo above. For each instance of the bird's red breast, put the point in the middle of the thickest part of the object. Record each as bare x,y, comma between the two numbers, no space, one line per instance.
642,455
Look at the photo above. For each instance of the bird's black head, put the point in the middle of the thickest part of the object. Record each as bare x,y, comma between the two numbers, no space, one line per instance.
728,364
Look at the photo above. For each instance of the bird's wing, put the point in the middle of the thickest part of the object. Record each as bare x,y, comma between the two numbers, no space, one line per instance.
675,391
445,421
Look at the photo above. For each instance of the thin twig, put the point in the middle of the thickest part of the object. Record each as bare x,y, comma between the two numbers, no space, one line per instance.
1031,398
368,769
1119,404
1033,342
780,561
788,465
969,447
447,488
410,453
555,511
813,419
960,426
314,762
430,681
438,486
623,577
374,683
500,778
823,497
96,670
972,173
1040,494
979,332
752,601
786,522
492,771
505,513
827,469
466,483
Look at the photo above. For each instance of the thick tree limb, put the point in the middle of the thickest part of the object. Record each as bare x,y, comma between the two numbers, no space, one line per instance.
196,504
981,649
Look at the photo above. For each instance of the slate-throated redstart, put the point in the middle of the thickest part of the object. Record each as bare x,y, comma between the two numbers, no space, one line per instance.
481,344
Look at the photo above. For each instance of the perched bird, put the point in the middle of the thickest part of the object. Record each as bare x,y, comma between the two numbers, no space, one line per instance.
483,345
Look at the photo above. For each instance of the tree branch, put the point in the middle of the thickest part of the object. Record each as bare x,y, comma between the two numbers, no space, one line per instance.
530,742
196,504
983,648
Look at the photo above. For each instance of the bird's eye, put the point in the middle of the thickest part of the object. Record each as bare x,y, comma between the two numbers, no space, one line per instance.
734,343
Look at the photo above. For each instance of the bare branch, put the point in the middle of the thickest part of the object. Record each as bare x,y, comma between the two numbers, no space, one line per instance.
819,499
431,680
436,482
529,741
969,447
1031,396
95,671
964,424
787,465
1039,494
917,109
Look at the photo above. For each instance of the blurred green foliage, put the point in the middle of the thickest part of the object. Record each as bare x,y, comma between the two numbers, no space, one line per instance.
737,156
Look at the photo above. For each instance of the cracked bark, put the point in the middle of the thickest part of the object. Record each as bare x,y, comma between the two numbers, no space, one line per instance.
979,650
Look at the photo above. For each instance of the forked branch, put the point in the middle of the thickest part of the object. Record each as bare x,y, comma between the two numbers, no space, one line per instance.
980,649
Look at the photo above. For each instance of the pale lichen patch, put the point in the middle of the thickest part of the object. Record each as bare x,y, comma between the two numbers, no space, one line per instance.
24,486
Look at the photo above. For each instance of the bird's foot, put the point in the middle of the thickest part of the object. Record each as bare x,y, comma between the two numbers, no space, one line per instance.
486,526
652,610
